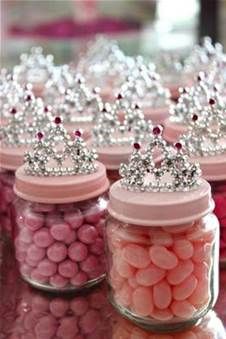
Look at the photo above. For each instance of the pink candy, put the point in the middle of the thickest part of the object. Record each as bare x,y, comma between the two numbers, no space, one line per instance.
60,244
162,272
6,198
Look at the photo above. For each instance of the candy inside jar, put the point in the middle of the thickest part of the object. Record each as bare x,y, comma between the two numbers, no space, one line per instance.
162,240
60,214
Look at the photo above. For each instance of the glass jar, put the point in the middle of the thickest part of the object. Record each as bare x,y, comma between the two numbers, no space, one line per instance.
219,196
59,238
161,269
7,178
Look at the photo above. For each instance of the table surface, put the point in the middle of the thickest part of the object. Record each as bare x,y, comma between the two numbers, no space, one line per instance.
22,307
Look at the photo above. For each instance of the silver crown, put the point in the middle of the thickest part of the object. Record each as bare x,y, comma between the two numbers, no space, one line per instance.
25,119
111,130
144,84
79,104
203,55
206,134
34,67
193,100
55,153
104,63
170,66
174,173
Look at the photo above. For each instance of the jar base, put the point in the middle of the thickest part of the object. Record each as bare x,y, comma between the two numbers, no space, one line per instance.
67,289
178,326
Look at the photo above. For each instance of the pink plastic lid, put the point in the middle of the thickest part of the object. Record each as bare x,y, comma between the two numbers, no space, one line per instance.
113,156
156,115
173,128
12,157
63,189
213,167
160,208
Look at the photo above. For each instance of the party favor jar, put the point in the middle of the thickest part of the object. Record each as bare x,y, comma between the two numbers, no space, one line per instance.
116,128
16,133
206,143
60,212
162,241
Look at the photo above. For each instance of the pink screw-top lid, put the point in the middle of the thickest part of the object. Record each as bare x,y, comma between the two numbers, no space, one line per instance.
60,169
61,189
169,193
173,129
113,156
160,208
213,167
11,157
157,115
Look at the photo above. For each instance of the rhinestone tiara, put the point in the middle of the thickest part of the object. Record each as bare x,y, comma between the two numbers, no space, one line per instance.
174,173
79,104
25,119
144,84
34,65
110,130
206,134
55,153
192,100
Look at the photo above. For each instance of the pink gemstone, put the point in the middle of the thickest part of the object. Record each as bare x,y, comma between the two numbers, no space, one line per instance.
77,251
28,97
46,109
157,130
57,120
119,96
178,146
57,252
78,133
40,135
13,110
211,101
87,234
136,145
195,117
68,269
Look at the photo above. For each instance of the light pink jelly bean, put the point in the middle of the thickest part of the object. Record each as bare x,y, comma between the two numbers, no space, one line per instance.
143,301
116,279
68,327
150,276
60,231
33,221
74,219
124,295
79,306
79,279
185,289
37,276
35,253
58,307
68,268
201,294
182,271
46,327
57,252
26,235
43,238
133,282
183,249
122,267
25,269
162,295
201,270
47,267
202,253
71,237
163,315
77,251
32,263
183,309
163,258
159,237
58,281
39,303
136,255
89,321
87,234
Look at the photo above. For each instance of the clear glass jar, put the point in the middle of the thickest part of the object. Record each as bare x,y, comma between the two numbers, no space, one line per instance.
163,275
219,196
211,327
7,179
60,246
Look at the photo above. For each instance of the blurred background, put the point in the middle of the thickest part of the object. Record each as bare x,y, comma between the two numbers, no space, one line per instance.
63,27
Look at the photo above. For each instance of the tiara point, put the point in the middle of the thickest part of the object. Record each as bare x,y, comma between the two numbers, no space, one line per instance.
57,120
